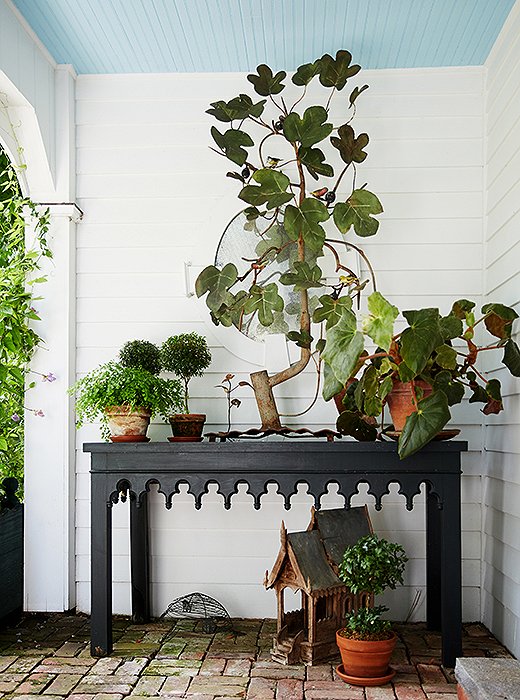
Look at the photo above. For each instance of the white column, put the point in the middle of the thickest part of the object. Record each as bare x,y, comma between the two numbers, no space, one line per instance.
49,440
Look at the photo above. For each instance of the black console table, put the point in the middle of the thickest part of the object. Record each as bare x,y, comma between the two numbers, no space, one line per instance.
131,468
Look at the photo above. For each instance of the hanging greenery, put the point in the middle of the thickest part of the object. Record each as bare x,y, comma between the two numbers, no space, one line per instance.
19,262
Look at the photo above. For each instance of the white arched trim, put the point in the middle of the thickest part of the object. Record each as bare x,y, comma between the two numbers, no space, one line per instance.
21,137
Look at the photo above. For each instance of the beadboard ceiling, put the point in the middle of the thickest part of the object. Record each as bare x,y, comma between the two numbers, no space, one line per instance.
143,36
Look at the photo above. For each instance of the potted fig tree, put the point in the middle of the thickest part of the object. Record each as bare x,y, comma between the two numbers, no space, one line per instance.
366,642
301,208
186,355
420,372
125,395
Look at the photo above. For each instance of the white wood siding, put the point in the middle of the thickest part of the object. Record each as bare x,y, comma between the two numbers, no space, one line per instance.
501,493
155,196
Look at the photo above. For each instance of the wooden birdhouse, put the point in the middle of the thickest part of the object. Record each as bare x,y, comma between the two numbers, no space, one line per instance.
308,563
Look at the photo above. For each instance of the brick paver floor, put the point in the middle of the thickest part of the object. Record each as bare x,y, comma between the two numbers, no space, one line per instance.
47,657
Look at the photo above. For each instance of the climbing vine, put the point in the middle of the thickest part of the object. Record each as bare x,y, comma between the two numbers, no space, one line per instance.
19,265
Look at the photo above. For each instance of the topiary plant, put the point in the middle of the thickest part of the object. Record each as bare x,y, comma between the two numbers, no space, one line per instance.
141,353
297,228
186,355
371,566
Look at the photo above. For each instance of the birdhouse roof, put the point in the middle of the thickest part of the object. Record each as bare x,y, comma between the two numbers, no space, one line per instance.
312,561
340,528
309,559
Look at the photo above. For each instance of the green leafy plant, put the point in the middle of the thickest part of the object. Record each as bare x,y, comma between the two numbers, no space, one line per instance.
141,353
113,384
19,262
439,350
367,624
299,208
371,566
186,355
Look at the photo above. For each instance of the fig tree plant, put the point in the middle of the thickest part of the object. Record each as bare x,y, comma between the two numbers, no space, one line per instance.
299,206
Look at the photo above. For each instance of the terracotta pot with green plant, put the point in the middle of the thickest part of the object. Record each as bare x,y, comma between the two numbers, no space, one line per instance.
125,395
430,362
366,642
186,355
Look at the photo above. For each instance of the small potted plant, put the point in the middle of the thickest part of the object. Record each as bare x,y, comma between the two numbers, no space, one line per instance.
367,641
186,355
141,353
125,398
420,372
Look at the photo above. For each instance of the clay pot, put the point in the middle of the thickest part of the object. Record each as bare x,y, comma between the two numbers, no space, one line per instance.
366,662
128,422
338,400
187,427
401,403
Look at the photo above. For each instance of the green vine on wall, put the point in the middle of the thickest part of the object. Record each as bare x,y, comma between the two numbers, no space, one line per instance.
19,265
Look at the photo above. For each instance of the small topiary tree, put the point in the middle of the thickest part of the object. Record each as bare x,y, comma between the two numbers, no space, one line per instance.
186,355
371,566
141,353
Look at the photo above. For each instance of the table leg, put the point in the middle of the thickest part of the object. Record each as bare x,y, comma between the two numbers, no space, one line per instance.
140,562
101,566
433,563
451,578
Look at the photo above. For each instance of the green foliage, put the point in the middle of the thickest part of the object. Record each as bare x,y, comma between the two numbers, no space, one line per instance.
18,340
113,384
286,214
271,189
240,107
186,355
424,350
358,212
231,143
350,148
371,566
141,353
265,83
366,624
309,129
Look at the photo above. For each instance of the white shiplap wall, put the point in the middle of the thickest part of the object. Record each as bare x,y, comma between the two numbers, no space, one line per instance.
155,196
501,492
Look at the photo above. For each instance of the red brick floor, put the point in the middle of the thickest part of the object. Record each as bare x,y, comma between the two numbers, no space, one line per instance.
47,657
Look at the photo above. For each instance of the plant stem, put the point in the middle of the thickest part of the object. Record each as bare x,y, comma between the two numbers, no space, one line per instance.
186,381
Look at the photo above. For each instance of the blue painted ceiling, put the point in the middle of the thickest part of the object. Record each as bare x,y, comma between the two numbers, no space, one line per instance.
142,36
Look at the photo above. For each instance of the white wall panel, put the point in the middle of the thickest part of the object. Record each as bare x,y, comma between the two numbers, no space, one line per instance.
501,489
155,196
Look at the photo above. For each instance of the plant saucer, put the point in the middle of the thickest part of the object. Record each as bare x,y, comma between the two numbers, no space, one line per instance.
129,438
442,435
355,680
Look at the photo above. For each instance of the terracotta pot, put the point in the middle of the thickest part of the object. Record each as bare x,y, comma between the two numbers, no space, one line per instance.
186,426
127,421
338,400
366,660
401,403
